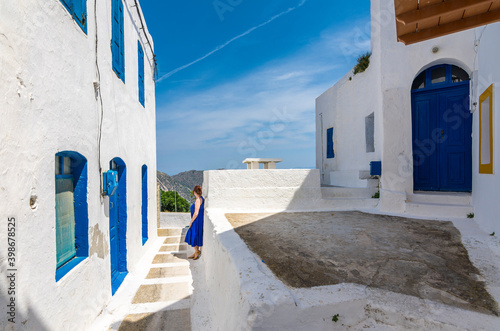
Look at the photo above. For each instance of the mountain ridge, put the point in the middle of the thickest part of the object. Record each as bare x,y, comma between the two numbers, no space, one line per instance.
183,182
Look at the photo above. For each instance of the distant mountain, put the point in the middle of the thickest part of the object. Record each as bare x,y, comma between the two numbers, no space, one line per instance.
189,178
182,182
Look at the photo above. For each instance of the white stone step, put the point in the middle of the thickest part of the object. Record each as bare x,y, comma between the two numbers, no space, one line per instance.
349,203
348,192
451,198
438,210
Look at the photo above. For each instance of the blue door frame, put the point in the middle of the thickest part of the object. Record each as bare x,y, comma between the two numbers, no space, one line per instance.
118,226
441,133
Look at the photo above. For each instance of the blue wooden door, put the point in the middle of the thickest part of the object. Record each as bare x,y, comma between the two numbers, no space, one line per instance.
118,226
425,156
456,136
442,142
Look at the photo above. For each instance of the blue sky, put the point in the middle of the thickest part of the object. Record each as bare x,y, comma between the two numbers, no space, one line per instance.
239,78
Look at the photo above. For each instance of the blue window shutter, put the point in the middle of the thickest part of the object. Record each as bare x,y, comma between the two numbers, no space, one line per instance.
144,210
117,43
122,41
69,5
77,9
329,144
80,13
140,57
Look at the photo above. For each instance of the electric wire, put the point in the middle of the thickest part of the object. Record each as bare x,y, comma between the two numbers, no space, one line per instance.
98,91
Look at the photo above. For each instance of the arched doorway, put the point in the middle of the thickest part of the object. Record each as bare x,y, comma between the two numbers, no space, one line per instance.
118,226
442,130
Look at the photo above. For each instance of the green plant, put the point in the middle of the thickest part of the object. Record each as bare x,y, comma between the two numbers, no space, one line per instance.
492,234
335,318
470,215
170,200
376,195
363,63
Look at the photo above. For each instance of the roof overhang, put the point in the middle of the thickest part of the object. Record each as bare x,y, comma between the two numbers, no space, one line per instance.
419,20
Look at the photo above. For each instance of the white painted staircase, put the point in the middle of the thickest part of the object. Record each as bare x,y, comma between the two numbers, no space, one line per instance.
350,197
439,204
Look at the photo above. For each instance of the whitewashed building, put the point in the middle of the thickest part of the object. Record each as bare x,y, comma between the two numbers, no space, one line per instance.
77,99
427,110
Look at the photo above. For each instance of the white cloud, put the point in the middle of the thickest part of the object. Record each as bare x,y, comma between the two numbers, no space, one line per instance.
270,111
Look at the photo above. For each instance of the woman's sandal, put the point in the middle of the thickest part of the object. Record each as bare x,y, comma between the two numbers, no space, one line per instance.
192,256
196,257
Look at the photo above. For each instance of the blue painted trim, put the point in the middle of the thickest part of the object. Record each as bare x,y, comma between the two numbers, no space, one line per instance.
117,282
79,173
78,10
144,209
117,40
68,266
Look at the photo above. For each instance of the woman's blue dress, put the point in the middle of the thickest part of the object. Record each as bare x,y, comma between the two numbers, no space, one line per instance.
194,236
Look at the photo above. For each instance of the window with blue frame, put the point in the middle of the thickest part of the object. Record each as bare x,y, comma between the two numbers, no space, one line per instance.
144,209
117,41
439,76
71,211
78,9
140,58
329,144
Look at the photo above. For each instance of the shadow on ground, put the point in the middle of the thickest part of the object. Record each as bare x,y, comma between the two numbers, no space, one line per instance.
422,258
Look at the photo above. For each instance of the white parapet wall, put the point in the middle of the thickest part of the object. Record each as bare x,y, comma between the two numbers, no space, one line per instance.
245,295
264,190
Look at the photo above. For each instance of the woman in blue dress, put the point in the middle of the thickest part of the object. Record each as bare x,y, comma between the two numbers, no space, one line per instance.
194,236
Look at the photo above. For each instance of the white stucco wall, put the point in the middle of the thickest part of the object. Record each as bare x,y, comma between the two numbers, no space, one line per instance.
386,88
399,65
48,105
265,190
344,107
486,186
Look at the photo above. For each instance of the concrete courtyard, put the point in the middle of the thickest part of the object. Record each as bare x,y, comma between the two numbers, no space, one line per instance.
421,258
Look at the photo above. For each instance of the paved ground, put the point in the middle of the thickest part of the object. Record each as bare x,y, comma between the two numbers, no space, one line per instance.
421,258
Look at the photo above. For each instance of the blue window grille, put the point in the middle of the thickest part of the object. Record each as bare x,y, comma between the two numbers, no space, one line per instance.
144,209
329,144
71,211
78,9
140,58
117,41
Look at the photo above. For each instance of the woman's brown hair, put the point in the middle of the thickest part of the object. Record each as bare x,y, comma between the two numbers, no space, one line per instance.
197,190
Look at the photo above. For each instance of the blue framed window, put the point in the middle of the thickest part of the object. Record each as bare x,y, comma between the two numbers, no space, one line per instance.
140,58
78,9
71,211
117,41
329,144
144,209
443,75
